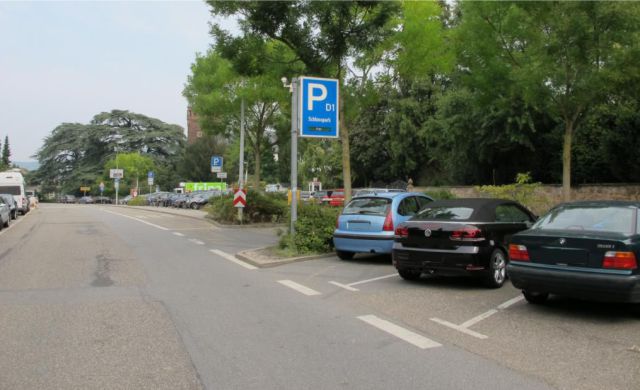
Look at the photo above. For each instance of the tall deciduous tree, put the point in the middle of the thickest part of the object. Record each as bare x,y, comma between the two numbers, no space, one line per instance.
215,91
560,57
323,35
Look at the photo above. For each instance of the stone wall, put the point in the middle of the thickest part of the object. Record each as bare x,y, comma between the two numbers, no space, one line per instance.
551,195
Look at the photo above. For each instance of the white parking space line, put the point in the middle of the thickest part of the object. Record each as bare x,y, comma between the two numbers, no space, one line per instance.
299,288
350,285
178,234
195,241
400,332
345,286
232,259
464,327
511,302
459,328
479,318
137,219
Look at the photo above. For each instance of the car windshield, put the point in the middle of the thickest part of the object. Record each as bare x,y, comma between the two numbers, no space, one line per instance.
446,213
369,206
614,219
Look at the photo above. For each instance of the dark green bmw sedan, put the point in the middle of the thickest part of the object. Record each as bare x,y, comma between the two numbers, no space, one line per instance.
587,250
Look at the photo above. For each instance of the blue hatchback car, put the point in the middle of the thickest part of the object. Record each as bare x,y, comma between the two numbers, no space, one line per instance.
367,223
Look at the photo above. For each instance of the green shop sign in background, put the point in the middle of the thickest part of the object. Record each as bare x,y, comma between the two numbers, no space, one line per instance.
190,187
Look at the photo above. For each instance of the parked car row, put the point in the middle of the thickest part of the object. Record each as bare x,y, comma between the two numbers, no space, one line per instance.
585,250
193,200
10,209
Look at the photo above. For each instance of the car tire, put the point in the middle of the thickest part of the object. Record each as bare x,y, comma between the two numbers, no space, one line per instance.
535,298
14,214
497,269
6,224
409,274
342,255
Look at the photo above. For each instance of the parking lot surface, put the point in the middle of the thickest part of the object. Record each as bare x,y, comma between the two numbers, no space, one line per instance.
120,297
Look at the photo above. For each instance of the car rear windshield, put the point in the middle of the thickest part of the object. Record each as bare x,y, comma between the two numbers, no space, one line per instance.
612,219
11,190
446,213
368,206
334,194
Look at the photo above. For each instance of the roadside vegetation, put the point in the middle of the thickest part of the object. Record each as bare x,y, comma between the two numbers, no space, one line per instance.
261,207
444,93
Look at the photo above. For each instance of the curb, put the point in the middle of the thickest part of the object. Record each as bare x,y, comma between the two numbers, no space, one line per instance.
247,226
244,255
164,212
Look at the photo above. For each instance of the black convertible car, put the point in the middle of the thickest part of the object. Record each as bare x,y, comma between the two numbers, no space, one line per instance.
460,237
585,250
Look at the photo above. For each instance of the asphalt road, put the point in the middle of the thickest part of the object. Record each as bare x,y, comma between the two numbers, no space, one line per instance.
99,297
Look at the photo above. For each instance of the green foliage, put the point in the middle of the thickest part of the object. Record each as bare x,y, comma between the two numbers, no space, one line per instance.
261,208
522,191
6,152
314,230
135,168
138,201
75,154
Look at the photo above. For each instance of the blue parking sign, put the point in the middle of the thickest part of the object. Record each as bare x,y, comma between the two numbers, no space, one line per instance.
319,107
216,163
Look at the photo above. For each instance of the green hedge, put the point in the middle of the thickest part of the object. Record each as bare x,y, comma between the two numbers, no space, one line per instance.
138,201
261,208
314,230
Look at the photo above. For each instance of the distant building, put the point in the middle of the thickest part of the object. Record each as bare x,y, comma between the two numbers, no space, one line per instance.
193,128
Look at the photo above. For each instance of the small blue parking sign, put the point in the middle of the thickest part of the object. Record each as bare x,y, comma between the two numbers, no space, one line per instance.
216,164
319,107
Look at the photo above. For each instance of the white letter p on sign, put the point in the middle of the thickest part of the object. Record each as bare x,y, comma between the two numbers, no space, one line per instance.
311,97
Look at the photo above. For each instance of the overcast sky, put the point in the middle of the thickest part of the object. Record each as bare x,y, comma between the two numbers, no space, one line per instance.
65,61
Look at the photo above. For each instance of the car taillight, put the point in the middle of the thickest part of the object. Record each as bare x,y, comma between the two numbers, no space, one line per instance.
388,223
620,260
467,233
518,253
402,232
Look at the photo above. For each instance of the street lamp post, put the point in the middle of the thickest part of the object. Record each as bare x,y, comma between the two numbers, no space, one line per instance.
293,88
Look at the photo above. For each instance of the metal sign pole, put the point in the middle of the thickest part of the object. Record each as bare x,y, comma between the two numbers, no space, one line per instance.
240,173
294,155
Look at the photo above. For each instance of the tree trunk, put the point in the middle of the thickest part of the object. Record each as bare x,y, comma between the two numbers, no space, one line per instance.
256,172
566,160
346,159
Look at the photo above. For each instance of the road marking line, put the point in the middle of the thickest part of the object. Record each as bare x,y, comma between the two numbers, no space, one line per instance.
232,259
298,287
479,318
197,242
372,280
178,234
511,302
464,327
400,332
459,328
345,286
137,219
141,216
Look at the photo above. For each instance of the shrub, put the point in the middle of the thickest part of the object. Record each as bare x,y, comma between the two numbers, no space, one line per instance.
314,230
522,191
261,207
440,193
138,201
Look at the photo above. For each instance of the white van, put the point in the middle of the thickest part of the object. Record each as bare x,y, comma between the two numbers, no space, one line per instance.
12,182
